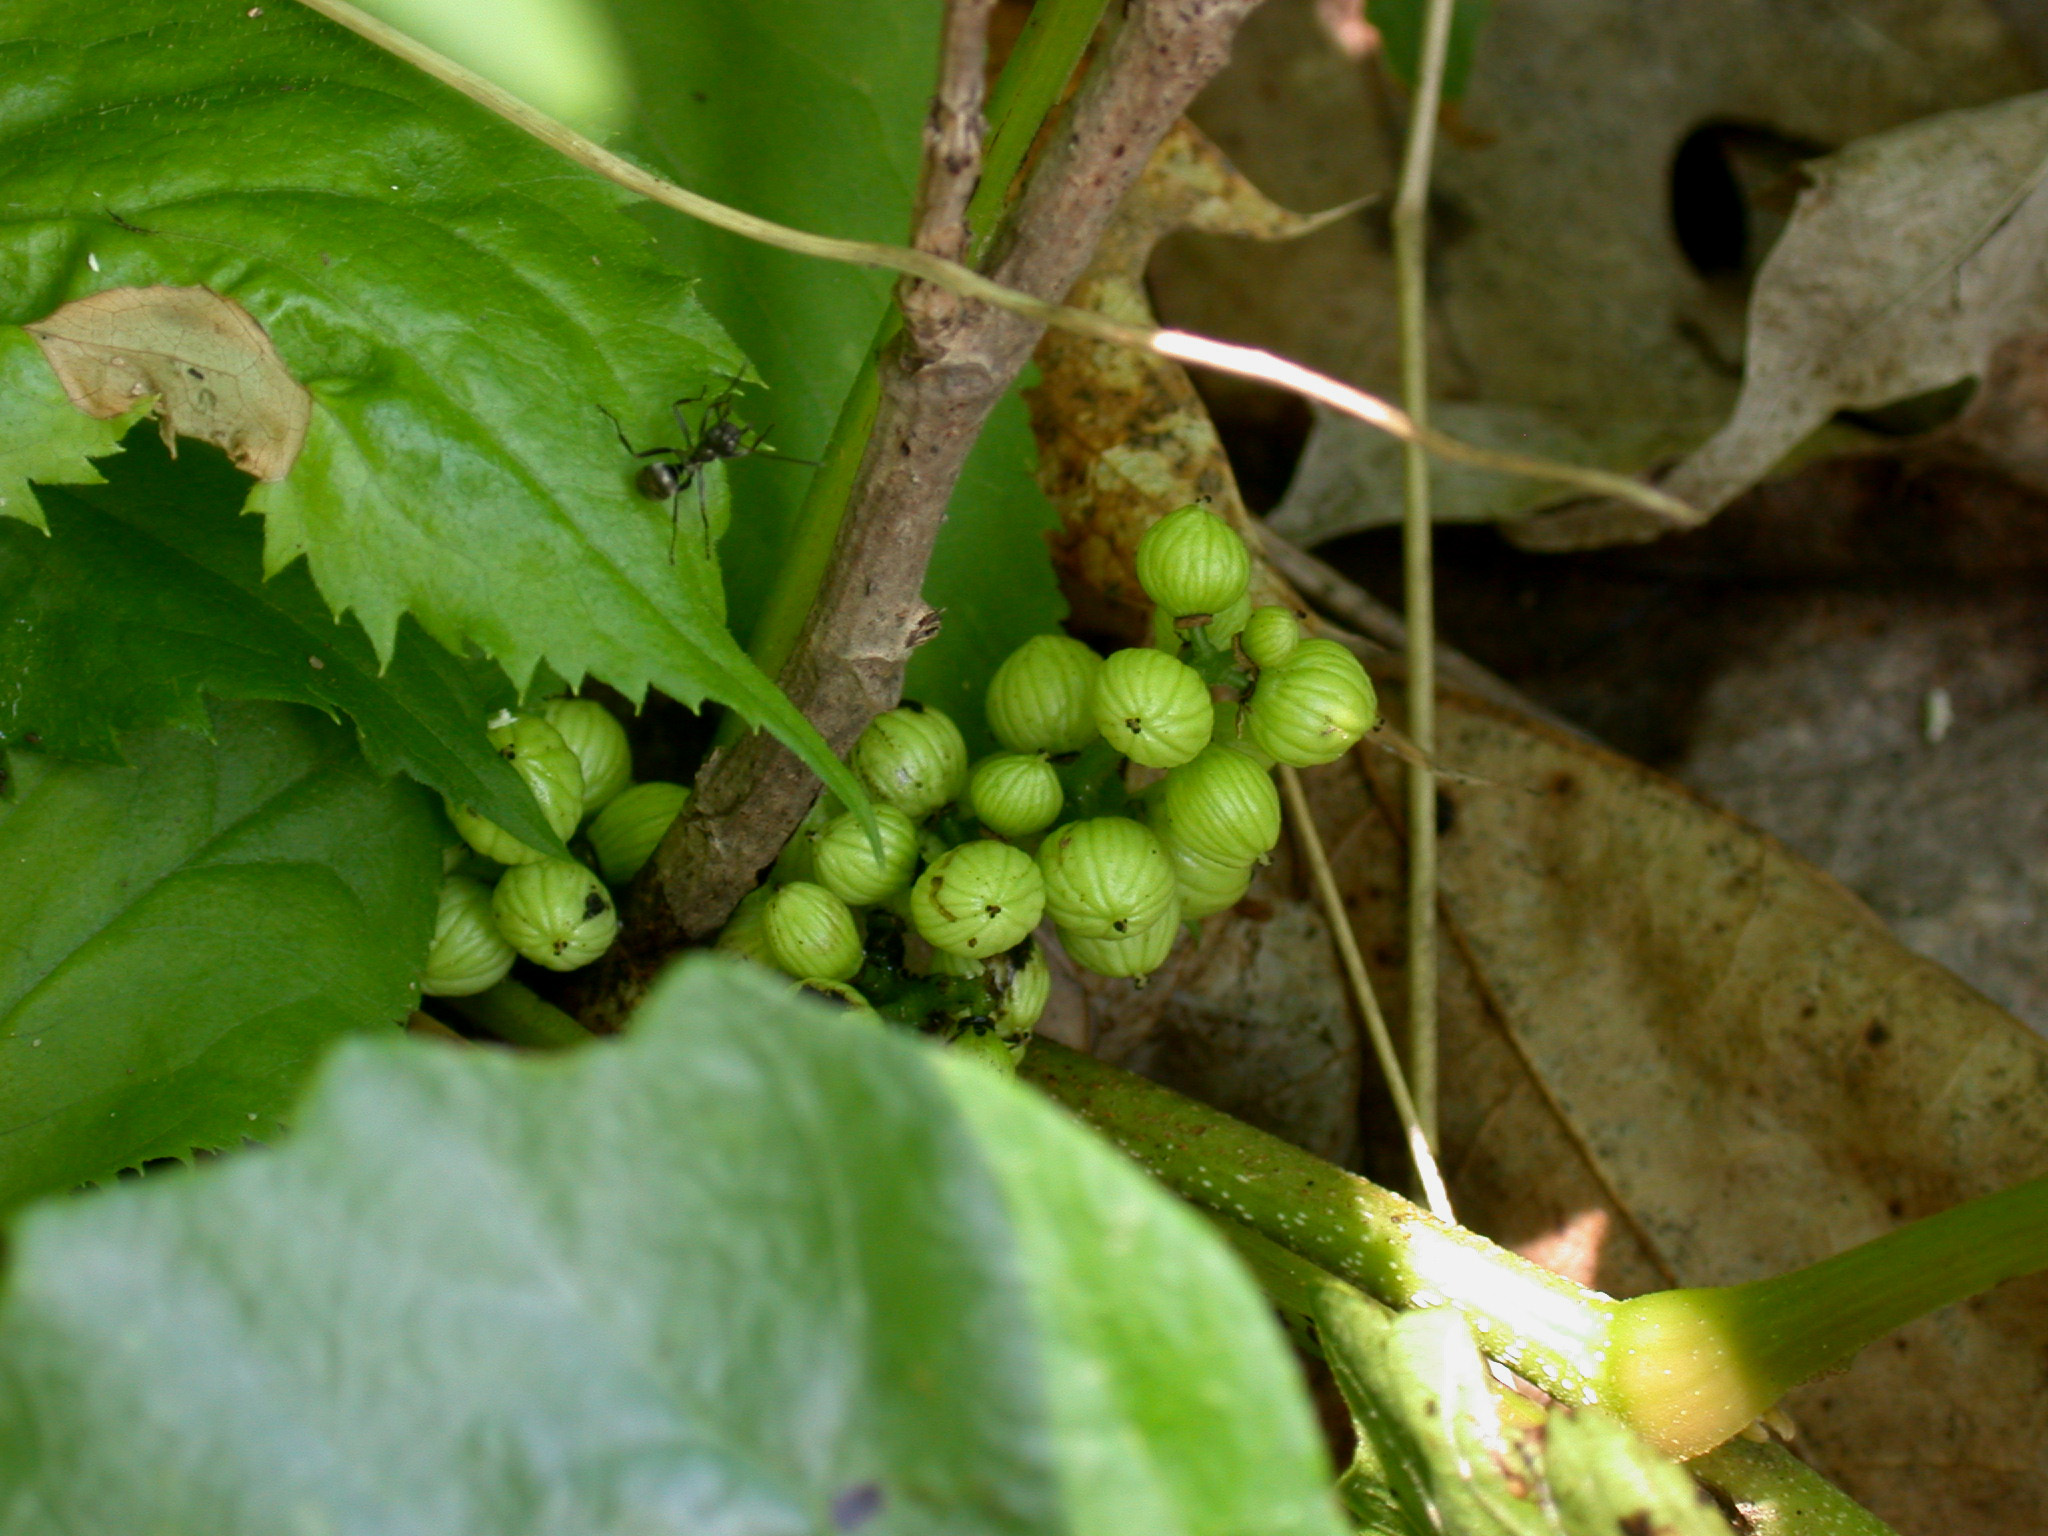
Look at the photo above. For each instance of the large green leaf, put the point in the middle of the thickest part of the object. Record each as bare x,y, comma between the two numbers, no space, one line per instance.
459,302
184,934
754,1269
147,594
809,111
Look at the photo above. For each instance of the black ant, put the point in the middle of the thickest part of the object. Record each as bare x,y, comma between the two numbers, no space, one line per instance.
674,470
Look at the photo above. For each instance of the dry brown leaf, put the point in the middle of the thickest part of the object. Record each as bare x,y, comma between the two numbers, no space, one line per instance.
1564,316
1909,260
210,367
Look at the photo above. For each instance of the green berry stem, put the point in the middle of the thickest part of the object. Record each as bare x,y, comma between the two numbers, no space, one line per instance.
519,1016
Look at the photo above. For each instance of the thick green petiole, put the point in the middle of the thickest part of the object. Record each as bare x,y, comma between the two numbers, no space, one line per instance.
1687,1369
1713,1359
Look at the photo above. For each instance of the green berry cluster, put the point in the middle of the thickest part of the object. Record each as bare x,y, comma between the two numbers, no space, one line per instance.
512,900
930,926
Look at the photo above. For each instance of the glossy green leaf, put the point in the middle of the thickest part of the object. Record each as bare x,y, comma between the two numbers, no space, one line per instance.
753,1269
147,594
462,305
184,934
809,111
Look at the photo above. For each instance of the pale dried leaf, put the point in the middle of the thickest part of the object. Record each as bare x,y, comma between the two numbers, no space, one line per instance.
1564,315
210,368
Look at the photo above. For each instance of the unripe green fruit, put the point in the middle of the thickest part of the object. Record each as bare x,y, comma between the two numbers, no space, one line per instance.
551,772
1136,954
943,964
1270,636
811,932
1205,886
627,831
1313,707
555,913
986,1049
978,899
848,999
1015,793
1042,699
468,954
1191,561
914,758
1025,993
1229,621
1223,806
594,734
746,932
1152,709
1105,876
845,862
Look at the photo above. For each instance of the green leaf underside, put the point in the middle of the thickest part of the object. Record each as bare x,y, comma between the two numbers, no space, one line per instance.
183,935
809,111
148,594
754,1269
459,301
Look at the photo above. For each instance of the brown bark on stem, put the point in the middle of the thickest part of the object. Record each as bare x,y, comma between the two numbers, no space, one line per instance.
939,380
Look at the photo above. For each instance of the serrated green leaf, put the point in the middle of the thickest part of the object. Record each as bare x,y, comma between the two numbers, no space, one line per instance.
753,1268
809,111
183,936
460,303
147,594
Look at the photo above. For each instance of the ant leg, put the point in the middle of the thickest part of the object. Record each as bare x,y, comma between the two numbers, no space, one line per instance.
704,517
625,443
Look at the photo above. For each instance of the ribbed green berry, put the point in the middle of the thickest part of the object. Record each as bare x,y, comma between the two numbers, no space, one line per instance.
943,964
848,999
1223,806
1270,635
468,954
1024,990
1105,876
627,831
978,899
1229,621
914,758
1151,708
844,860
1191,561
1135,954
1313,707
746,932
555,913
798,859
811,932
594,734
551,773
1205,886
1015,793
986,1049
1042,698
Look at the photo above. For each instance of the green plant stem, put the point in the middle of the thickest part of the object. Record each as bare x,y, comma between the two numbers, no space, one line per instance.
1542,1325
1778,1494
1411,269
1025,94
1421,1147
1181,346
516,1015
1717,1357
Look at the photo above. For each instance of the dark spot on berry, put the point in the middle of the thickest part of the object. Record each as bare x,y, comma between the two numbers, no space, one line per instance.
593,903
993,910
1877,1034
1135,725
1122,925
1637,1524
